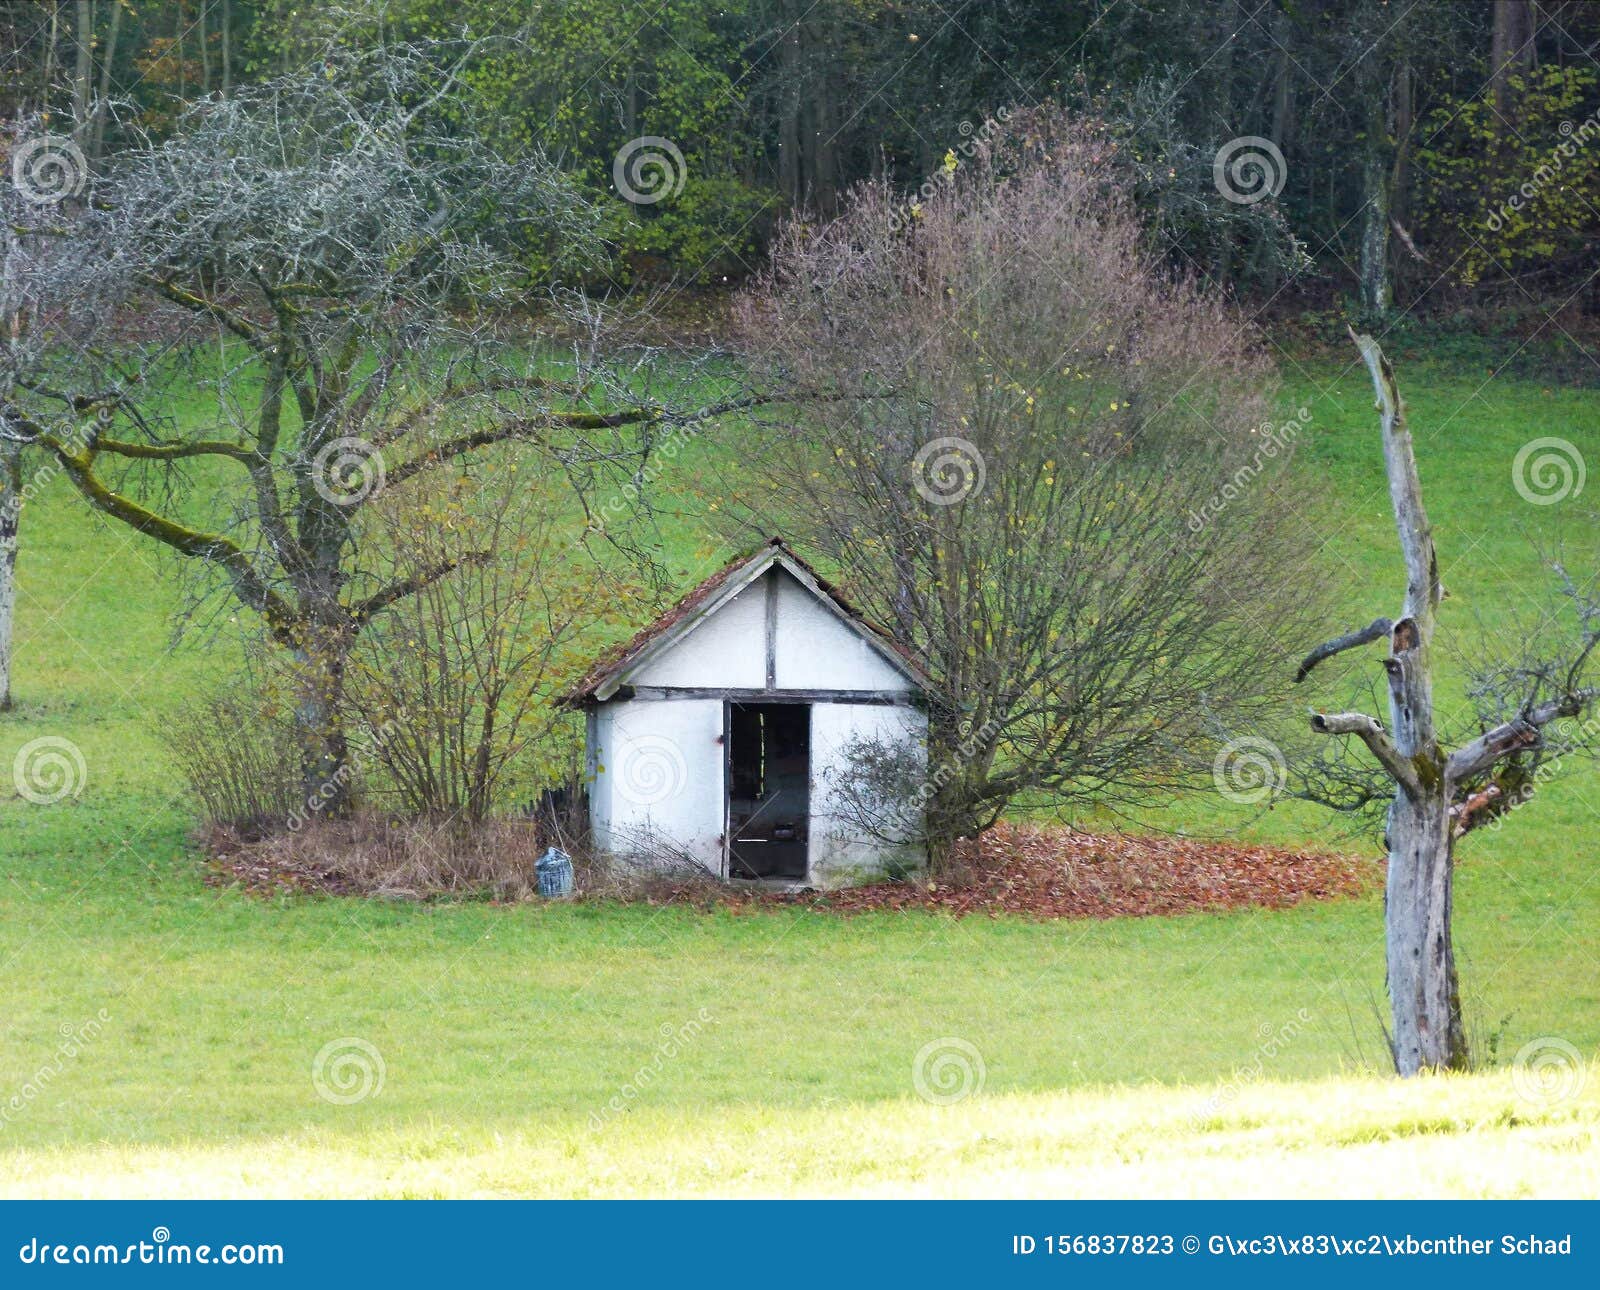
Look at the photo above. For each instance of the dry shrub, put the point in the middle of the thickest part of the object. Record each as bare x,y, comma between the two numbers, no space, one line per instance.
377,855
450,695
653,876
239,756
1042,462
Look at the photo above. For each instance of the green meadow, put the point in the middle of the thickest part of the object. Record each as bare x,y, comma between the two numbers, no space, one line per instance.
165,1036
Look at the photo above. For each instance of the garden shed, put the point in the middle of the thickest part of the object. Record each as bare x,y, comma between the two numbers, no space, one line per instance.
727,733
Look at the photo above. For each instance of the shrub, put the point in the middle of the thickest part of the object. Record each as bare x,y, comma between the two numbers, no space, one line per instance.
1042,463
452,694
238,754
371,854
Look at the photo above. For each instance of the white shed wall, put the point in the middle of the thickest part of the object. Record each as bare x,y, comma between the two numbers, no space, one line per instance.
658,779
658,765
816,651
727,649
840,849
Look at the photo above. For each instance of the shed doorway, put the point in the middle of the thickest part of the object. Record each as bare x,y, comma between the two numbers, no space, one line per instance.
769,789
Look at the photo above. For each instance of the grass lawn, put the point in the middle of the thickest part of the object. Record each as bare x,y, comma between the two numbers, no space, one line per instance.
162,1037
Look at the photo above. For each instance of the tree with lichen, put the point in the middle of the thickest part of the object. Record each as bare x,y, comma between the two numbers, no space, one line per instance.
258,325
1436,794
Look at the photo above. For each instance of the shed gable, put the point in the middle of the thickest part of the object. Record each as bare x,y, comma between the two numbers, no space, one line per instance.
726,647
766,623
773,633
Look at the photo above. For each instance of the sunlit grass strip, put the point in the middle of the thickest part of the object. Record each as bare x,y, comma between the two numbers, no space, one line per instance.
1455,1136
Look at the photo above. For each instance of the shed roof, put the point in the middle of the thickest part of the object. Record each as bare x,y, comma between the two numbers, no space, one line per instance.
606,676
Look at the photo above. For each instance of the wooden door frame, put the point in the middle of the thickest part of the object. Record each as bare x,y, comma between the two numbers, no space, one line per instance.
755,698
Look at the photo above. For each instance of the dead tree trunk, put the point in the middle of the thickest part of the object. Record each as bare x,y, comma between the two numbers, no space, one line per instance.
11,320
1428,1033
1427,1027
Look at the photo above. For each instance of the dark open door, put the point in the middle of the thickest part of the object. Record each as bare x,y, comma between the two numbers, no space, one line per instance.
769,789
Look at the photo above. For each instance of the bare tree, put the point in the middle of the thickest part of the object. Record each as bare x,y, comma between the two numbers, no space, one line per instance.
31,211
287,307
1436,795
10,516
1046,466
454,690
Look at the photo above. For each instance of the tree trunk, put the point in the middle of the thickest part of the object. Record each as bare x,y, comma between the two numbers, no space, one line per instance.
1423,990
10,514
319,730
1511,52
180,29
227,48
205,50
1375,178
825,161
325,632
790,169
47,70
11,319
97,138
82,65
1282,86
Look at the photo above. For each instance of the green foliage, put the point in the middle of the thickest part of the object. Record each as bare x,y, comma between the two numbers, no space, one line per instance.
1173,185
582,81
712,229
793,101
1504,197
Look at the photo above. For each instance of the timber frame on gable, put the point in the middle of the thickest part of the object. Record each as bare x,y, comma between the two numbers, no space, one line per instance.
608,678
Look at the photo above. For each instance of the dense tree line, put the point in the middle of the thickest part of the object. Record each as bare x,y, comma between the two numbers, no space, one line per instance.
1429,150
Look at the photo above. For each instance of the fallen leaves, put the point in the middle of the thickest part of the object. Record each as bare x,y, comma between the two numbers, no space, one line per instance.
1057,873
1012,869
